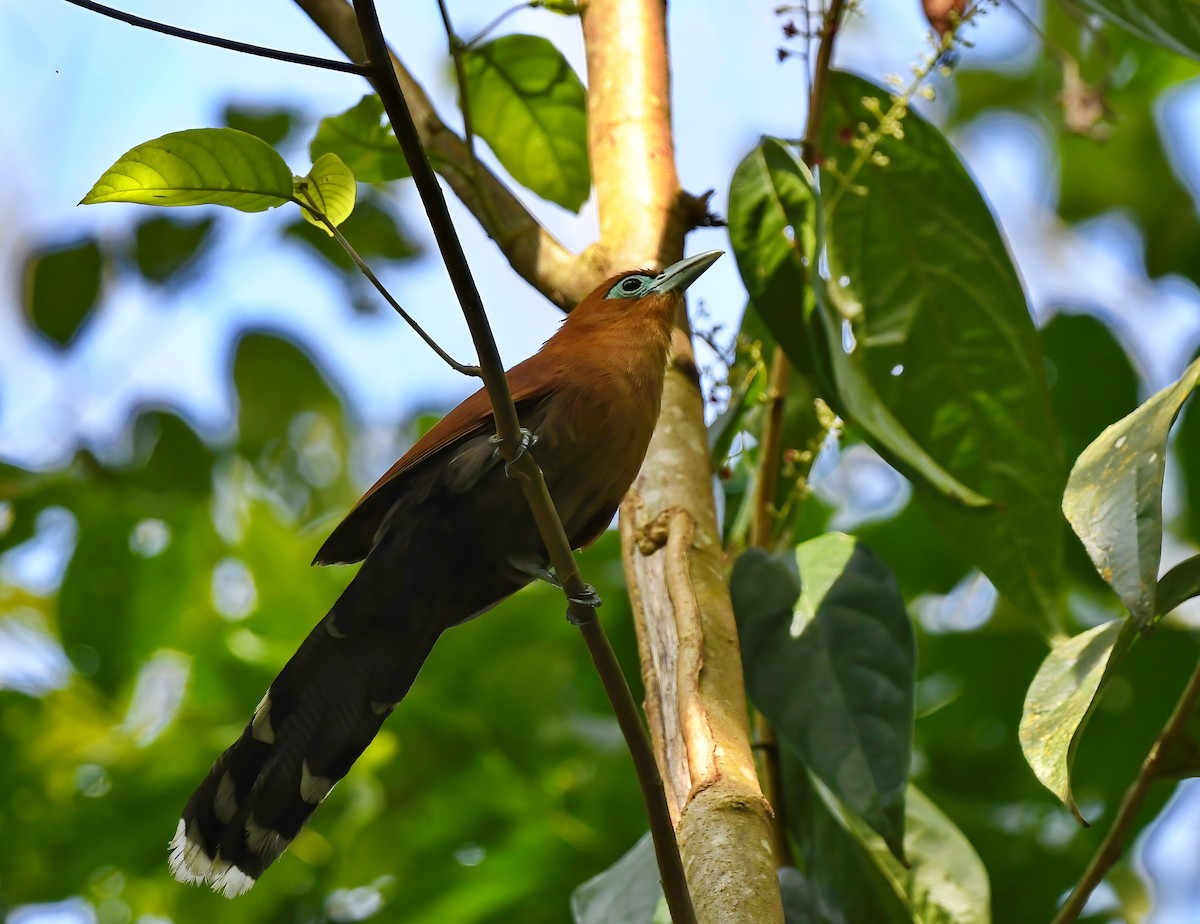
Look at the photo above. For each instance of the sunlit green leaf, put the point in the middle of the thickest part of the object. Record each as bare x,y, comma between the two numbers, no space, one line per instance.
529,106
830,661
1113,499
61,286
202,166
1173,24
363,140
330,188
1062,697
941,330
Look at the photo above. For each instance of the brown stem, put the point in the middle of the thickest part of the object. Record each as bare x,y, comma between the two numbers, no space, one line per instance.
770,452
522,465
530,249
1110,848
761,532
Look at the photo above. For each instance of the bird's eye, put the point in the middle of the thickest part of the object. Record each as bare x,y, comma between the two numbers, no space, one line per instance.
630,287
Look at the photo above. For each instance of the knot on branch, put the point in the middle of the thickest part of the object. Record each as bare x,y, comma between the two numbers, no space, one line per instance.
695,211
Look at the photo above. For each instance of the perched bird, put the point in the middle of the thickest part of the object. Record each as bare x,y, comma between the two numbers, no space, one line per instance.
443,536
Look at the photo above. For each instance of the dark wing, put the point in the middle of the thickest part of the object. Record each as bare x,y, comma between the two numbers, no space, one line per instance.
529,382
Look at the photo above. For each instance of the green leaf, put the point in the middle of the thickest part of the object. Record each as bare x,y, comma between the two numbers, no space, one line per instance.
363,139
858,877
1061,699
1113,499
164,246
530,108
773,192
61,285
1173,24
830,661
628,892
1092,381
942,333
328,187
1179,584
772,230
271,125
202,166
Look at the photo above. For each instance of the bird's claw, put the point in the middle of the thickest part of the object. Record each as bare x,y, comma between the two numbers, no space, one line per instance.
586,597
526,441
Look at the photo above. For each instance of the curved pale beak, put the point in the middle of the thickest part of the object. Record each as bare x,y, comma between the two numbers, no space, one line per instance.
678,276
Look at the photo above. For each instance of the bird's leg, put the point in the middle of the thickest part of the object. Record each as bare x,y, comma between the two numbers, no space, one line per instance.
586,597
526,441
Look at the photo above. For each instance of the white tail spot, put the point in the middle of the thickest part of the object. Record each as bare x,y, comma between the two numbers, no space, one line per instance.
225,804
260,728
313,788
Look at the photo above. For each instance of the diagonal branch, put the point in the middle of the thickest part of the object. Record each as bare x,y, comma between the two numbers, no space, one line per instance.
531,250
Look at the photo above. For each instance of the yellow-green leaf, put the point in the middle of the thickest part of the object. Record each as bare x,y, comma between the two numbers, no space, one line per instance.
330,189
201,166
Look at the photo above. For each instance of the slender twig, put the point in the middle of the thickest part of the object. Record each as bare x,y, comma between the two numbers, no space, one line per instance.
1110,848
460,77
770,452
486,30
260,51
762,530
453,363
523,466
820,84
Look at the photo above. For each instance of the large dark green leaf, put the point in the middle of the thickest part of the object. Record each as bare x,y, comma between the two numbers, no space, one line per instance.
201,166
1113,499
775,230
61,286
830,661
1062,697
363,140
529,106
1173,24
942,332
859,880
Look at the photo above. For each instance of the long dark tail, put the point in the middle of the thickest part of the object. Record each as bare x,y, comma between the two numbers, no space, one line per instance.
315,720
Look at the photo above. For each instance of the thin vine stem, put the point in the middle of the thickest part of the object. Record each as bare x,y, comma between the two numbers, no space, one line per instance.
366,270
521,464
261,51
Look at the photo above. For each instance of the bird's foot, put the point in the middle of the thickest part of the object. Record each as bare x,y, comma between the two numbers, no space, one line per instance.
586,597
526,441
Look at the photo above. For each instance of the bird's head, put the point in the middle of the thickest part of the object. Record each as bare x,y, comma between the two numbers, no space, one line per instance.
642,296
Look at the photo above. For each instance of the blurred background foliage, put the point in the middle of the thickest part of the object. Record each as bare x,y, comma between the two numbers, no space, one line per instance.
150,589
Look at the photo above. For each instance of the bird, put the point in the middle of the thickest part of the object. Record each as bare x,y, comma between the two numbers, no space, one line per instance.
443,536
